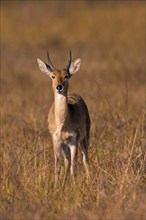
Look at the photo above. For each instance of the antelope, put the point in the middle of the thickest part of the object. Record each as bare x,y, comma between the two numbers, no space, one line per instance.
68,119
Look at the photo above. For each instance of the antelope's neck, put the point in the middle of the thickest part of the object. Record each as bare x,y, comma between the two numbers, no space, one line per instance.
61,109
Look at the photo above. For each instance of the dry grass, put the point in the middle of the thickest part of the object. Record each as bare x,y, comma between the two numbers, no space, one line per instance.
109,38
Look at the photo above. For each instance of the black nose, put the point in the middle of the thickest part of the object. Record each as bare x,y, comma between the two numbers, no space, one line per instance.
59,87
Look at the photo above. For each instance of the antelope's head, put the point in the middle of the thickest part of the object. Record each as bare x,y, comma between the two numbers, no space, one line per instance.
59,77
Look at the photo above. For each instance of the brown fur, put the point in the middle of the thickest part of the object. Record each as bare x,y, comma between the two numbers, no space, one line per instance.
76,120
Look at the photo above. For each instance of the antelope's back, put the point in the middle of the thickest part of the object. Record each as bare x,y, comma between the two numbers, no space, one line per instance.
78,110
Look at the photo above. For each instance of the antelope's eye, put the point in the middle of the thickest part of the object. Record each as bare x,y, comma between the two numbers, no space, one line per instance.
53,77
66,77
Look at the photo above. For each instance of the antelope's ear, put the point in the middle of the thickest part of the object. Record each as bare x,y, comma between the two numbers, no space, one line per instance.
75,66
44,67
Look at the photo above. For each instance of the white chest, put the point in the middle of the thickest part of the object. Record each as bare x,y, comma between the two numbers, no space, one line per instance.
64,137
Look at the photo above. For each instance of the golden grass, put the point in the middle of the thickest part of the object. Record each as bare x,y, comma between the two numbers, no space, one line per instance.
109,38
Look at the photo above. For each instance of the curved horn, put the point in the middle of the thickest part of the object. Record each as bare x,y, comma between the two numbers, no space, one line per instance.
50,63
69,61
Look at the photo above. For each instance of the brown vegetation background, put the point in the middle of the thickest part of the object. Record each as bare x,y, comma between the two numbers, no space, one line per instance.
109,37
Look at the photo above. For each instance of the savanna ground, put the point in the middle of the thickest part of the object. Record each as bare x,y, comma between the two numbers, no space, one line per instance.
109,37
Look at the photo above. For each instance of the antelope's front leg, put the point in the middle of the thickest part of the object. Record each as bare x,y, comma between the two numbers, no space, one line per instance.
74,152
67,160
57,157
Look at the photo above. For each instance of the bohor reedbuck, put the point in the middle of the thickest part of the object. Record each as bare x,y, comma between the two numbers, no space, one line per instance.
68,119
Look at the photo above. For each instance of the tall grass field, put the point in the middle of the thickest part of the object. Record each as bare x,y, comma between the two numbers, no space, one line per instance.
109,37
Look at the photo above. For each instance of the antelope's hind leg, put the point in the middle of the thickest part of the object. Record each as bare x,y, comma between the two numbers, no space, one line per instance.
84,150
